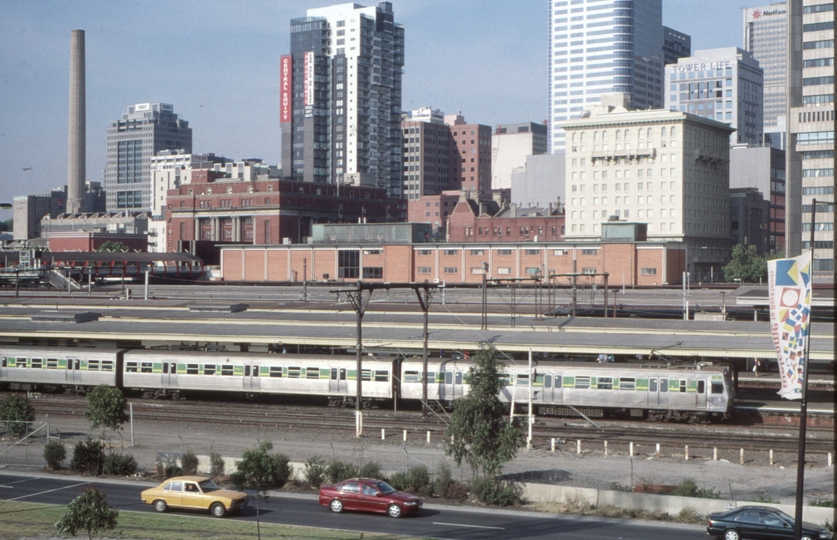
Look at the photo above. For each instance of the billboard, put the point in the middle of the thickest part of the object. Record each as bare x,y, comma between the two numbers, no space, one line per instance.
286,84
789,284
308,81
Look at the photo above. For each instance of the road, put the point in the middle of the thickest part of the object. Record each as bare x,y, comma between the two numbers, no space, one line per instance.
434,521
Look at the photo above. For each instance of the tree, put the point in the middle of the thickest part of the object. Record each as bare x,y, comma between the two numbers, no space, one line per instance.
260,470
16,410
745,265
111,246
478,432
7,225
106,408
88,512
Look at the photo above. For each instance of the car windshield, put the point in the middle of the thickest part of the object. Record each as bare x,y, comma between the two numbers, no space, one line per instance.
208,485
385,488
784,515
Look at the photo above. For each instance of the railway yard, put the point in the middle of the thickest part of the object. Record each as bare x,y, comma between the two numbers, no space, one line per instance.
752,454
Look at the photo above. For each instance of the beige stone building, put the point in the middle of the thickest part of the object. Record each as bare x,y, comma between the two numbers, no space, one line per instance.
667,169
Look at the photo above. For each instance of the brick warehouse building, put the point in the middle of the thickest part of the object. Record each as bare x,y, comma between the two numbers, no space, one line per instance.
628,263
268,210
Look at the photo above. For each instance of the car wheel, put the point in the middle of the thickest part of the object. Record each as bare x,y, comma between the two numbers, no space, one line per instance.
732,534
218,510
394,511
336,506
806,537
160,505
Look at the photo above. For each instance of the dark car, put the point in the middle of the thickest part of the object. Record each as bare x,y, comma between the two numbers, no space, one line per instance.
368,495
759,522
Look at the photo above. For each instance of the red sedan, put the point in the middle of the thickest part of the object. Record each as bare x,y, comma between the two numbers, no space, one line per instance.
368,495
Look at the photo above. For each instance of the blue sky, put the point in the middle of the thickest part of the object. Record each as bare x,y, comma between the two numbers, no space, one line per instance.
217,63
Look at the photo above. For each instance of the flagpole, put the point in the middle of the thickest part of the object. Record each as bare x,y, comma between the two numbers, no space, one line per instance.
803,405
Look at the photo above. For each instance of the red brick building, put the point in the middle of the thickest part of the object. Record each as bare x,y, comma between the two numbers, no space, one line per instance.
487,221
92,241
269,210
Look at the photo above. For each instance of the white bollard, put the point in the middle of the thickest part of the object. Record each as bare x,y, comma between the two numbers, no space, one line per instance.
451,439
741,459
771,457
657,453
428,437
553,444
631,450
605,448
528,444
830,457
578,446
405,435
383,434
687,453
715,454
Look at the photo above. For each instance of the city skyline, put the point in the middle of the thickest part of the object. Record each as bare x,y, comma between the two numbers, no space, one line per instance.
221,72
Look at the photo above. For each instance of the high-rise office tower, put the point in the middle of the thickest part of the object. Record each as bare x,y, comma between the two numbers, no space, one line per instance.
721,84
600,47
143,130
676,45
763,31
340,100
810,148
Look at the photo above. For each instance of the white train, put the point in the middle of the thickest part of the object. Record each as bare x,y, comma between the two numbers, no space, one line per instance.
657,392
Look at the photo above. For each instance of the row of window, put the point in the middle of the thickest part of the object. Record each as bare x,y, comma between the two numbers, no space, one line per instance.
230,370
55,363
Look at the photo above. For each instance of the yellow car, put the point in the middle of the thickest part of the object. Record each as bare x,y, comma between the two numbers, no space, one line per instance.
194,493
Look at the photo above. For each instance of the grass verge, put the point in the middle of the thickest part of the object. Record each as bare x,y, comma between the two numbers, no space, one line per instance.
26,520
687,515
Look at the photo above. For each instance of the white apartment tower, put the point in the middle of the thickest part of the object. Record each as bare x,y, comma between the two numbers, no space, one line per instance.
340,97
599,47
810,149
763,31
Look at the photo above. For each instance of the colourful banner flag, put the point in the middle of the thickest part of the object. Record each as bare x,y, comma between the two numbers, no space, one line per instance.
789,283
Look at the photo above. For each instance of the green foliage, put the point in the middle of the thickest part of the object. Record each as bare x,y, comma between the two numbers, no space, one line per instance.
370,470
443,481
120,465
261,470
110,246
315,471
826,503
90,513
746,264
829,525
189,463
761,498
7,225
496,493
481,435
337,471
415,480
217,467
106,408
688,488
15,411
171,470
54,454
88,457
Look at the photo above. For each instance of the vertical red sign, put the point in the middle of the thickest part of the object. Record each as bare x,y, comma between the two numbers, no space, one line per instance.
285,89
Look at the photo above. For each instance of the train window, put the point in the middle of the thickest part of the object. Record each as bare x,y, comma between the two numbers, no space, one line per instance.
505,380
107,365
431,376
381,375
457,378
449,377
582,382
21,362
522,380
276,371
247,370
558,381
192,369
412,376
37,363
209,369
166,367
627,384
227,370
604,383
547,381
652,385
312,373
3,362
146,367
366,375
701,387
294,372
52,363
717,387
92,365
663,385
334,374
683,385
130,367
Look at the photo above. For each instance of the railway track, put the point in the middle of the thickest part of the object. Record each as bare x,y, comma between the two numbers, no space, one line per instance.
616,433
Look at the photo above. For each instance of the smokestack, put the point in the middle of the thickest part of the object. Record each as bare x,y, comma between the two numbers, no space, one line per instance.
77,140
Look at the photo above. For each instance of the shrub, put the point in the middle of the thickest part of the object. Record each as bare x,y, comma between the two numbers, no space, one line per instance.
689,515
217,467
338,471
54,454
496,493
827,503
17,410
120,465
189,463
688,488
167,471
443,481
415,480
370,470
761,498
315,471
88,457
284,471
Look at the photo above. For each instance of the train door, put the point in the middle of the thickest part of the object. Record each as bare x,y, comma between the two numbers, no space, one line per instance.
251,378
73,370
337,381
446,388
653,392
458,390
662,396
701,394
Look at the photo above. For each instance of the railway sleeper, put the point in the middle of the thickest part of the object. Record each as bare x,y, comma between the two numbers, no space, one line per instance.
345,401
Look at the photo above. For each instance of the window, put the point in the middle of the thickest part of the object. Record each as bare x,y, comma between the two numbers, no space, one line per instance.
412,376
146,367
424,252
381,375
209,369
589,252
227,370
604,383
130,367
451,252
451,270
275,371
588,270
717,387
477,252
312,373
424,270
373,272
627,384
582,383
648,271
294,372
504,252
192,369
